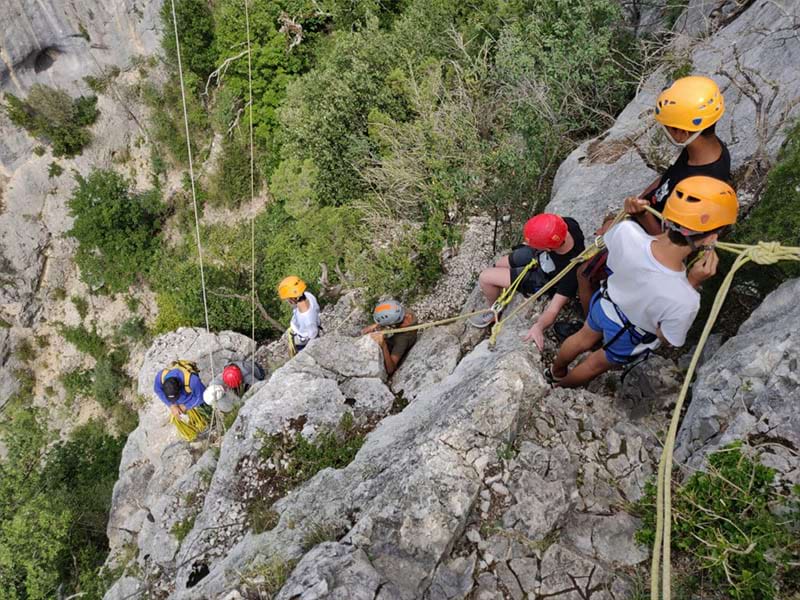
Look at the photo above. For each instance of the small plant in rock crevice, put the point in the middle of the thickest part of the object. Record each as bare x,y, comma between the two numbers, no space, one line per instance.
734,534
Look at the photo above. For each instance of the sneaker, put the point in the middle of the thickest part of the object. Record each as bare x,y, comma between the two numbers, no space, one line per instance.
551,379
564,329
482,320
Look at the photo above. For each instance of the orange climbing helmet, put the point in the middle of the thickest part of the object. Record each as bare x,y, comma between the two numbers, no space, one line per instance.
700,204
691,103
291,287
545,231
232,376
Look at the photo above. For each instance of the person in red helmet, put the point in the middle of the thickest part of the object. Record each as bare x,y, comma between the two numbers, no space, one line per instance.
226,389
550,240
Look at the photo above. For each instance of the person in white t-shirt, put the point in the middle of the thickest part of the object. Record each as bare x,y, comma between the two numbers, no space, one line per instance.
305,324
649,298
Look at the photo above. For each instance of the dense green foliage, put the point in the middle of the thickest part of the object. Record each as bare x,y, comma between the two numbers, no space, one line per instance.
116,230
52,115
196,28
54,503
727,526
379,127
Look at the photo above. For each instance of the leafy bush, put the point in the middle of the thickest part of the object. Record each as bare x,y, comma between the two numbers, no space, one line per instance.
109,380
725,524
77,383
54,170
88,342
56,501
230,184
52,115
81,305
117,231
196,31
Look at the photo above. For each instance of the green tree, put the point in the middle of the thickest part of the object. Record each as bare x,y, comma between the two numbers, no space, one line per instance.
54,504
117,231
52,115
196,33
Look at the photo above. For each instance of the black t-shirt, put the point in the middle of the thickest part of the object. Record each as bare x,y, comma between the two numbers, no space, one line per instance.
551,263
681,169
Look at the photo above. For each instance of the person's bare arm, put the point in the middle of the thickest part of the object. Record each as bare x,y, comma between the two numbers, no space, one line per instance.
545,320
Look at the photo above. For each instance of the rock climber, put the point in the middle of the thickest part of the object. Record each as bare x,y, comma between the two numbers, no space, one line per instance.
305,324
688,110
179,387
392,314
650,298
226,389
550,240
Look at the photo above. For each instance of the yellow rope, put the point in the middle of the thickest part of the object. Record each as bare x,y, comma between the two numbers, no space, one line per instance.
502,301
189,430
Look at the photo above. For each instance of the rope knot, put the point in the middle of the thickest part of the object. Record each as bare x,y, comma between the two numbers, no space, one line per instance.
765,253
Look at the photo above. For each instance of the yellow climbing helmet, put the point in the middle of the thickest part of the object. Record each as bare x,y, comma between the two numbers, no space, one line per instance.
701,204
291,287
691,103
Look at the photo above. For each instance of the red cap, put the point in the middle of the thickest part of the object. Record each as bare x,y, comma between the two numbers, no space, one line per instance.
232,376
545,231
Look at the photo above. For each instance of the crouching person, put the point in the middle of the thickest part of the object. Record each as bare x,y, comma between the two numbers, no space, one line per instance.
179,387
392,315
551,242
227,389
649,297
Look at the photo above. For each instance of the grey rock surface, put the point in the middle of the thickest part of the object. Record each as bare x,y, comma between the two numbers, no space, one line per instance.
748,58
750,390
433,357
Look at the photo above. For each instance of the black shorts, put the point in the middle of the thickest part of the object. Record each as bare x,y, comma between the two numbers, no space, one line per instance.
519,258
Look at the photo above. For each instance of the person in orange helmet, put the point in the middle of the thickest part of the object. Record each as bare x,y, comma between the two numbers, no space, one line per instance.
550,240
688,111
305,324
650,298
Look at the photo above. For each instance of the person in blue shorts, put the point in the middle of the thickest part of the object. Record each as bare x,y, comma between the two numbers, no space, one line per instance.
649,297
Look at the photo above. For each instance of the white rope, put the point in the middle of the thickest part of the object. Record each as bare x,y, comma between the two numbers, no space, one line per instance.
191,179
252,197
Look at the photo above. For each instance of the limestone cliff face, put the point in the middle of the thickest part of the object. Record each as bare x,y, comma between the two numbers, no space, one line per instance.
58,43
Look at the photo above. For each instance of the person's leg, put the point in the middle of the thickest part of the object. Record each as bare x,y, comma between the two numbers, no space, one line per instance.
574,345
503,262
492,282
595,364
585,288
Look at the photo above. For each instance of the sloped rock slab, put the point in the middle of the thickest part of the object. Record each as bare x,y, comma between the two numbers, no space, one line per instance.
405,498
750,390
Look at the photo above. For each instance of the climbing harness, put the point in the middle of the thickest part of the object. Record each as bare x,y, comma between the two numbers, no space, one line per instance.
290,342
637,334
588,253
186,367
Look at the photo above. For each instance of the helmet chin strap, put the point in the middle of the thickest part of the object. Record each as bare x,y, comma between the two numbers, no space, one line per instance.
687,234
672,141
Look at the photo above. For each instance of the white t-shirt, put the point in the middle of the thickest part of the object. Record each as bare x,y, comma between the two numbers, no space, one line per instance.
648,293
305,325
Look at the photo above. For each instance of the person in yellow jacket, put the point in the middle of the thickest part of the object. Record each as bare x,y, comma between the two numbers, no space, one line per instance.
649,298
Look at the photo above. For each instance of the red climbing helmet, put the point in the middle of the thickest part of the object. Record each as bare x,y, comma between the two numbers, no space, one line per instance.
232,376
545,231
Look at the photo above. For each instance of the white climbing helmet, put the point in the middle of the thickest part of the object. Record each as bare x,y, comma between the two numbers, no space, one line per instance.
213,394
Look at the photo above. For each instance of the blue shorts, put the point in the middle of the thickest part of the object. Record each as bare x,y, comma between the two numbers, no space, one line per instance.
620,348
